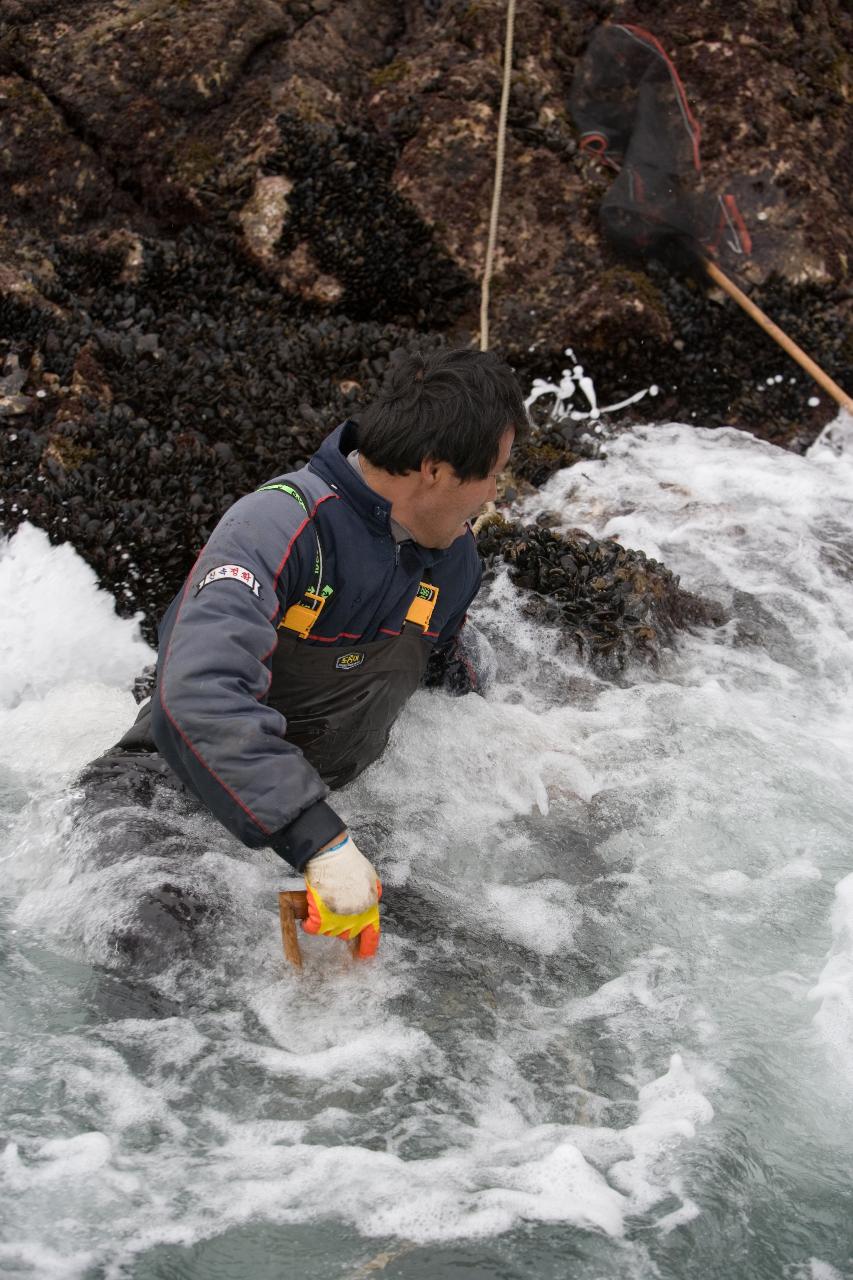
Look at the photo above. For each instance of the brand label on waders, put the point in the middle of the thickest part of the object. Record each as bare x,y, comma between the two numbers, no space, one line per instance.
349,661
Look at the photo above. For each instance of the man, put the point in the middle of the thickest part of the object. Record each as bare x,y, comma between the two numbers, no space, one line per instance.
310,616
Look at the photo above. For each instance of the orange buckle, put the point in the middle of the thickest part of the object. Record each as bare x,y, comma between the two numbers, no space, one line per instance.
420,610
301,617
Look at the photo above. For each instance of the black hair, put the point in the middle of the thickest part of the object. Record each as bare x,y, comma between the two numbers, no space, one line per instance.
451,406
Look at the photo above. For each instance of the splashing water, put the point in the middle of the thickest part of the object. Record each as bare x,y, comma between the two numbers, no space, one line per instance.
574,382
610,1030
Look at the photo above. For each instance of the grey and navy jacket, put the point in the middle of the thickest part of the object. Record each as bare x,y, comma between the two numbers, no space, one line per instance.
210,717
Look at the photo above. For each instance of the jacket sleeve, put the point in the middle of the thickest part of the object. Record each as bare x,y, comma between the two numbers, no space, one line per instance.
452,665
209,718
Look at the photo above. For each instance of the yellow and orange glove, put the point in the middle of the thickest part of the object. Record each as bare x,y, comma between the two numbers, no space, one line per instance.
343,896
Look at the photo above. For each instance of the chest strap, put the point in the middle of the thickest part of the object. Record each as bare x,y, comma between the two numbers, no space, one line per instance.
301,617
420,610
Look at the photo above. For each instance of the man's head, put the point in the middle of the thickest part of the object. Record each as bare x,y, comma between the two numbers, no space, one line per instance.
437,436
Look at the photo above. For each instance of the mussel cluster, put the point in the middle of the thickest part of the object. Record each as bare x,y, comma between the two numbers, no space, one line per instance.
360,230
552,445
156,375
722,369
616,605
139,410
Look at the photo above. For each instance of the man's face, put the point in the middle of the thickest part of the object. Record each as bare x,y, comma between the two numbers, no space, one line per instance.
445,503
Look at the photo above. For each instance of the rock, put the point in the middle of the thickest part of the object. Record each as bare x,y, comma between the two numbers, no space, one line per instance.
615,605
214,214
262,216
12,405
13,376
300,274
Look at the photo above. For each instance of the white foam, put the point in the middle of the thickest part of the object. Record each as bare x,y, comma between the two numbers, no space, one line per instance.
360,1056
58,1159
57,628
542,917
731,883
671,1108
834,988
84,718
591,890
28,1259
815,1269
575,382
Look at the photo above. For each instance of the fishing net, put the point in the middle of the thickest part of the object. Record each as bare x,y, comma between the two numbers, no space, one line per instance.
632,113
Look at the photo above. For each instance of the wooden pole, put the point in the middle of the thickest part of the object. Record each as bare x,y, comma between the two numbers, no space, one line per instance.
292,906
812,369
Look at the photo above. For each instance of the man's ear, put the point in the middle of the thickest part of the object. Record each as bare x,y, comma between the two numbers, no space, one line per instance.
430,470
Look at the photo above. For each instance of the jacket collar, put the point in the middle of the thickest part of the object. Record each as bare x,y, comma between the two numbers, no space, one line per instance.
332,464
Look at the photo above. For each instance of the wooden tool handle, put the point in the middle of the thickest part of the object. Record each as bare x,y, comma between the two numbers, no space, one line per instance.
292,906
298,900
778,335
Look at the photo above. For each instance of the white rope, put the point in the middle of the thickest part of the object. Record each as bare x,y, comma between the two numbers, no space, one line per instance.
491,512
499,170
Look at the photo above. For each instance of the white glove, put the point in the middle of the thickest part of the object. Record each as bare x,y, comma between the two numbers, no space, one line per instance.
343,878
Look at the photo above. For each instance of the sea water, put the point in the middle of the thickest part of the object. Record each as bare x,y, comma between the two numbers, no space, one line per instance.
610,1029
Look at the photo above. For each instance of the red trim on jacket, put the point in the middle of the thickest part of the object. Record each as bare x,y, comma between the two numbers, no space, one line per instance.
224,785
204,764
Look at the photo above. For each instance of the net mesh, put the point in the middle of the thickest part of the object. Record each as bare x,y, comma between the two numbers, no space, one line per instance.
630,107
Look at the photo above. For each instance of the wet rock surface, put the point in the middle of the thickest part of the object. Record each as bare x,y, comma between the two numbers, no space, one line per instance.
218,221
616,605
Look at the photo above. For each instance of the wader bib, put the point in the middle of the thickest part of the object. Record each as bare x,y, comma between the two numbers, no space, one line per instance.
341,701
